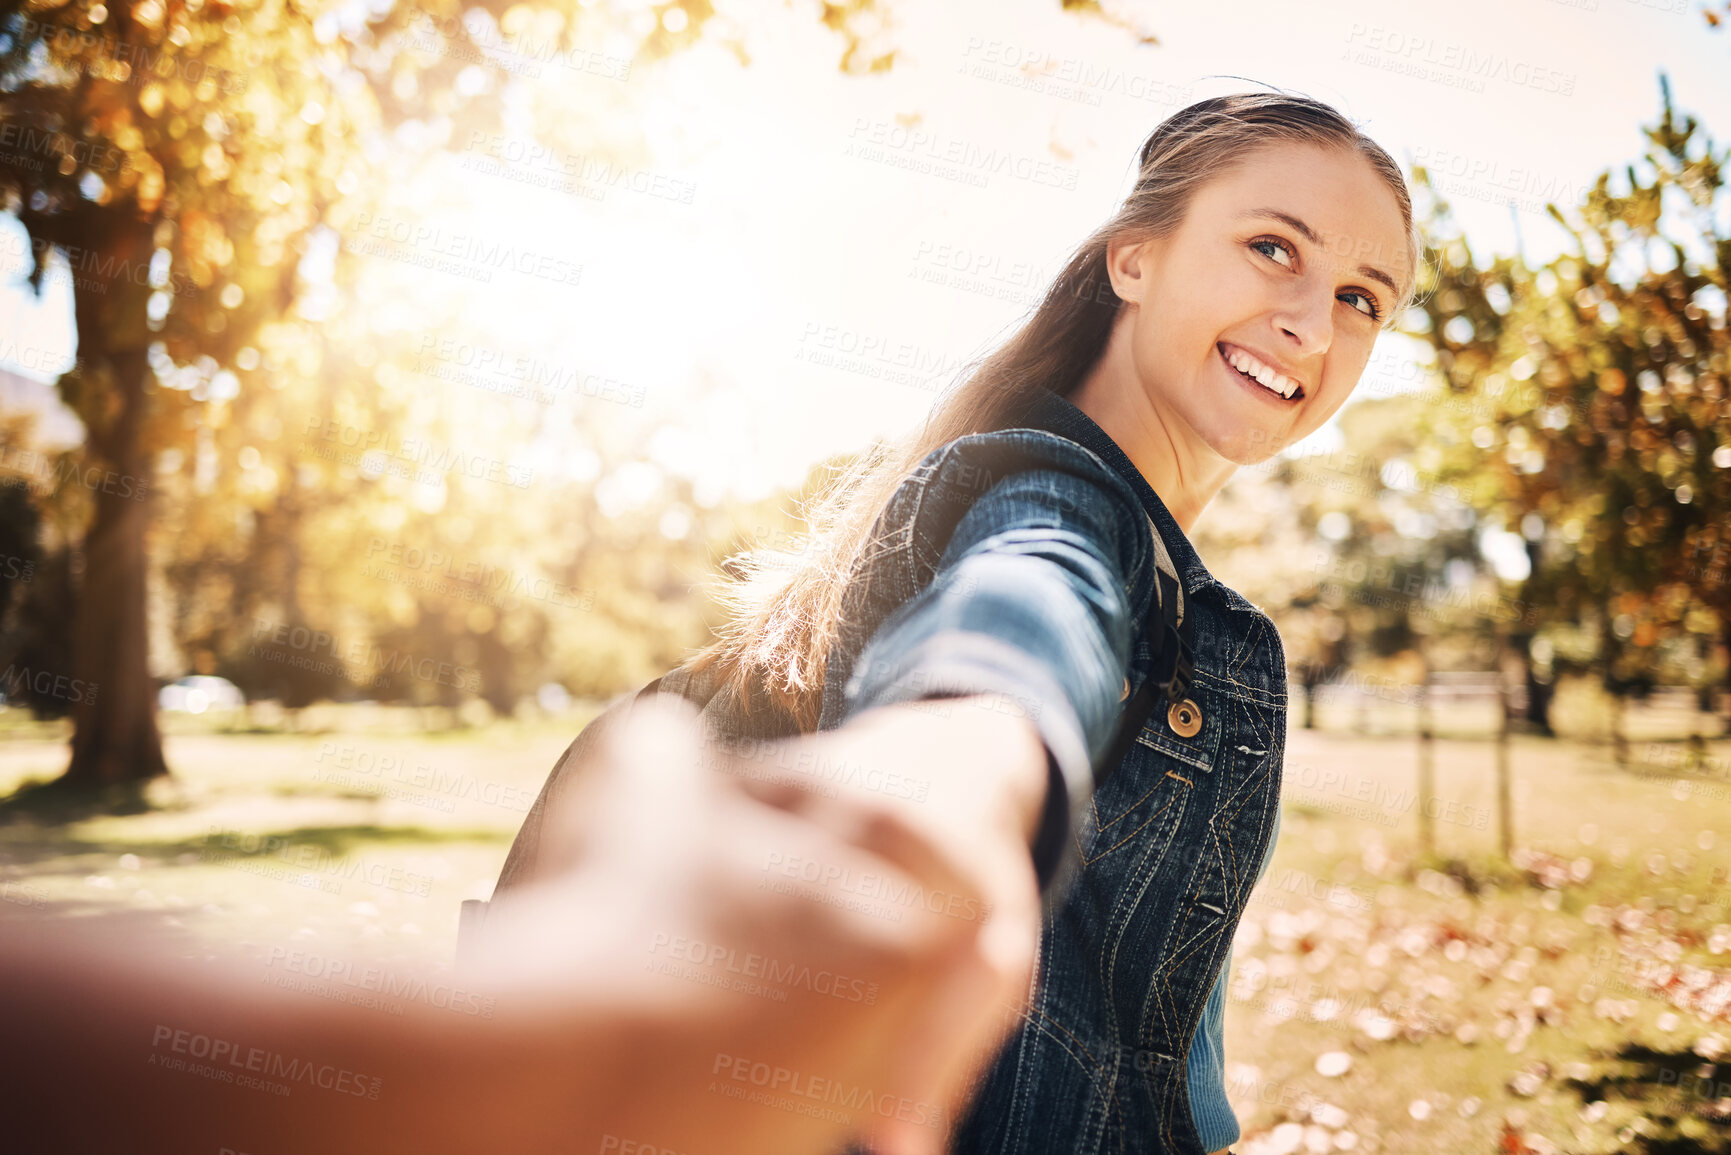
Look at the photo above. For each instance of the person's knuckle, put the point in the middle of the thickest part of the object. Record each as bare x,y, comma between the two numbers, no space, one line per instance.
881,823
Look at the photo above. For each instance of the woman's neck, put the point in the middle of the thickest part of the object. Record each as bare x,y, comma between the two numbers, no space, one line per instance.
1169,455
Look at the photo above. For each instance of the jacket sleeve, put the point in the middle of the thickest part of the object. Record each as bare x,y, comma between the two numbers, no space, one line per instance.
1032,601
1206,1063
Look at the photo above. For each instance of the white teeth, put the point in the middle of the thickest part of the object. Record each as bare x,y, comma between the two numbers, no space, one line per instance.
1262,374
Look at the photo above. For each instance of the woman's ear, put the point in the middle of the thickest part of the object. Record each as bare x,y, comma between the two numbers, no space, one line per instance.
1127,264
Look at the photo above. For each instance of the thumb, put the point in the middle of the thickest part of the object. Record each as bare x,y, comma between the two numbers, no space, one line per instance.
645,785
956,1031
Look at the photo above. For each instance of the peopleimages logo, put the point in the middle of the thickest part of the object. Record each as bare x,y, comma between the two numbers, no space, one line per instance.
749,966
811,879
342,981
229,1062
1452,64
807,1094
518,375
48,472
55,145
242,849
47,684
143,62
416,458
1067,77
952,158
354,766
301,646
825,770
465,254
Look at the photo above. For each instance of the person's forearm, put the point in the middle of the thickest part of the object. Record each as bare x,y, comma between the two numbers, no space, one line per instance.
196,1059
190,1057
1037,620
585,1045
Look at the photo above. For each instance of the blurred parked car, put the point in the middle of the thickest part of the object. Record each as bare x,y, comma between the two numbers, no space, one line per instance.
198,693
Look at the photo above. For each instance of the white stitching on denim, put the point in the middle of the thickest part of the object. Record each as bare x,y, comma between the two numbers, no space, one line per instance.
1187,757
1266,697
1229,809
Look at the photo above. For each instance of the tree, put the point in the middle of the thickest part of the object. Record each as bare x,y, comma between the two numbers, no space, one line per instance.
1604,429
1394,569
173,157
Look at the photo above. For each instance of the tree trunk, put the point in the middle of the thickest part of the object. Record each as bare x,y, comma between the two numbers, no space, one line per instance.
115,739
1538,706
1539,702
1538,713
1725,637
1614,687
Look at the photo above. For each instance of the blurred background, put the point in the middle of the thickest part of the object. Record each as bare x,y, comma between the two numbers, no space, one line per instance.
383,385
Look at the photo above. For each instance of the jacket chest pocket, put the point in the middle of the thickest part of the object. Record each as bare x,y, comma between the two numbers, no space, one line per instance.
1138,810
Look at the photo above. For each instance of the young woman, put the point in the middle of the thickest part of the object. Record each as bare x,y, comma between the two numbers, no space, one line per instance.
1225,311
1003,564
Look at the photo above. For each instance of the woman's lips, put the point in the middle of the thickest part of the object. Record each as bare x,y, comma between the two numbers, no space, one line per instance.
1253,383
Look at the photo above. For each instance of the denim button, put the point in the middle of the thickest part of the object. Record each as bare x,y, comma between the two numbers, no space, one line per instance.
1125,693
1185,718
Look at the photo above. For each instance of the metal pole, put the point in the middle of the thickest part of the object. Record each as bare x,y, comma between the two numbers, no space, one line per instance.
1426,769
1619,737
1505,800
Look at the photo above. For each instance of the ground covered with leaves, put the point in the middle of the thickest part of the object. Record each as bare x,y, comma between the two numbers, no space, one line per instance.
1575,999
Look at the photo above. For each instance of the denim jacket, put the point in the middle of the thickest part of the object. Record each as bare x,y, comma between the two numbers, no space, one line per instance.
1031,595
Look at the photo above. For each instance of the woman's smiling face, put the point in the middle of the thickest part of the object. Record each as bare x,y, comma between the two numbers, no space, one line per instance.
1284,270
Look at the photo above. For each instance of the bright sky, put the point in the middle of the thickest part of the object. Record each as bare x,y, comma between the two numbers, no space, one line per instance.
808,236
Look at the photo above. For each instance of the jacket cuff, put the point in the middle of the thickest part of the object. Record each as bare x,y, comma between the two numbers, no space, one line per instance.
959,663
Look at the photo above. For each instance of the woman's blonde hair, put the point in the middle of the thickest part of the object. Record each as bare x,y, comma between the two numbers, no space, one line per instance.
783,608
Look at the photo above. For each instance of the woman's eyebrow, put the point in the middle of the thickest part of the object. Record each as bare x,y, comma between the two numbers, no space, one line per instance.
1302,229
1309,234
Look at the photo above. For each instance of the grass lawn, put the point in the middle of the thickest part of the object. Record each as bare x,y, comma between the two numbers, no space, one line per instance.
363,838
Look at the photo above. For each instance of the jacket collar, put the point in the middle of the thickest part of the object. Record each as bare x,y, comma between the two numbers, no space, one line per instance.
1057,414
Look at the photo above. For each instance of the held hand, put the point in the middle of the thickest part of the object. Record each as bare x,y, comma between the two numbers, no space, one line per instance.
686,879
966,785
671,980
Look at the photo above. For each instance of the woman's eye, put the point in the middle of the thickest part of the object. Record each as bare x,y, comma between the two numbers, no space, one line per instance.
1275,250
1368,308
1269,247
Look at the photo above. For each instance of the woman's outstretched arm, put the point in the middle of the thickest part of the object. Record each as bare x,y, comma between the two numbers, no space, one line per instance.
593,1045
1031,611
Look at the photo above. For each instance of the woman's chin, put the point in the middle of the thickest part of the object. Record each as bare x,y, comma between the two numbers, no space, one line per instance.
1249,444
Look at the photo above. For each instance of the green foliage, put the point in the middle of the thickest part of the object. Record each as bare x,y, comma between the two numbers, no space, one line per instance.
1581,406
1595,402
187,159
